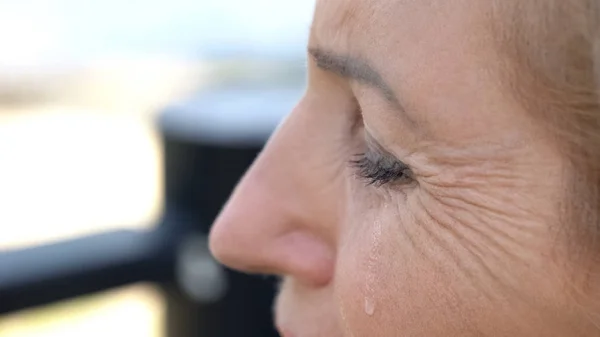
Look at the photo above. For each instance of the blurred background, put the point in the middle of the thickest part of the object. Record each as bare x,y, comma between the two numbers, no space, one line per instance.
82,84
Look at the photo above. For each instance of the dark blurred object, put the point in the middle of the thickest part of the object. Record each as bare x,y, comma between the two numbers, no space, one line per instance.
209,142
54,272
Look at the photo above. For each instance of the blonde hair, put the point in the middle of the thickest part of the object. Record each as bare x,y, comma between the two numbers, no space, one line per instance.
552,49
553,53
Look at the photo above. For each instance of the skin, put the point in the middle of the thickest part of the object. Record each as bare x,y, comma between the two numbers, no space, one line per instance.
470,245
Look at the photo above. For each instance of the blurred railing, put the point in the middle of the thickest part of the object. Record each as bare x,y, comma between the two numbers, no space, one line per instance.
208,143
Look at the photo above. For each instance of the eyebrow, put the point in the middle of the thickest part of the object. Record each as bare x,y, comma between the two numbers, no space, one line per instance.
354,68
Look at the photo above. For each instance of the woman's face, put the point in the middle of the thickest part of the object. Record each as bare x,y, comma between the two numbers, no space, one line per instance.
407,194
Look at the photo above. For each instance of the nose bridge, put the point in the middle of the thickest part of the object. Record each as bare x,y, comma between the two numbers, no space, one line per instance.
276,182
270,223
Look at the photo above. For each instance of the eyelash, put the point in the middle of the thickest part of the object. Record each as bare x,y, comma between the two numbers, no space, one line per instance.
377,170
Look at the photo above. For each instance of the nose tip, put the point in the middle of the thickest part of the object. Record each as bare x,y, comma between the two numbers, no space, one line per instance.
233,238
294,254
226,244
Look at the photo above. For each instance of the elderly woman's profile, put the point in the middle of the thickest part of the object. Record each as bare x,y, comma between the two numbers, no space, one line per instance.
439,177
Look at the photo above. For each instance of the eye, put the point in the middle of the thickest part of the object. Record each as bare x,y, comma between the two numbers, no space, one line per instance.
379,169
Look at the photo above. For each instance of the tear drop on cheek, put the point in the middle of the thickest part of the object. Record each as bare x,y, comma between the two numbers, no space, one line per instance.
372,267
369,306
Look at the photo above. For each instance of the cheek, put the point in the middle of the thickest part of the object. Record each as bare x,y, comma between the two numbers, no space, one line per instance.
376,273
403,266
385,284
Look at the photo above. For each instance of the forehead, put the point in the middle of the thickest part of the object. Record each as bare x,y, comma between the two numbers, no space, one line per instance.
351,24
437,55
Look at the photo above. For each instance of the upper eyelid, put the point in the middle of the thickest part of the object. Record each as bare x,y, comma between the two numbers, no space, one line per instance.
374,147
374,144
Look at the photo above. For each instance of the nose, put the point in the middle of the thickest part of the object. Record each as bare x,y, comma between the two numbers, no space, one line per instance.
275,222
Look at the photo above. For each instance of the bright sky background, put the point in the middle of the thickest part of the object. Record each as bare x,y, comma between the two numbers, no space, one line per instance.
41,33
